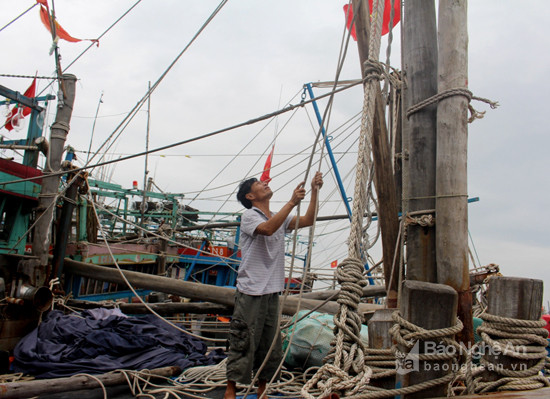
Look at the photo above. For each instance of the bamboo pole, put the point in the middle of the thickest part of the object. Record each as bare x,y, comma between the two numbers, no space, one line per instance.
452,147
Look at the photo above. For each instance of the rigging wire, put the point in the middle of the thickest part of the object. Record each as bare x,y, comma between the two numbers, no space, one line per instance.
136,294
141,102
193,139
19,16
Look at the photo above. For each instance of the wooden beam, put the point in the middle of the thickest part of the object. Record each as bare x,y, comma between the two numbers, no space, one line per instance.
204,292
420,74
517,298
430,306
379,338
451,204
35,388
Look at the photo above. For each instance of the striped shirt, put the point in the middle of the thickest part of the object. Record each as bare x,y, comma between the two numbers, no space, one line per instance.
262,268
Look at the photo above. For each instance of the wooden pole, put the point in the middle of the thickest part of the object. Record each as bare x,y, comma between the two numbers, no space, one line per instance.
35,388
383,178
420,74
368,291
168,308
517,298
64,224
50,184
380,338
451,203
430,306
204,292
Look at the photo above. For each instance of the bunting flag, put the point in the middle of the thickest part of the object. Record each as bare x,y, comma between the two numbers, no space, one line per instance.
59,31
385,20
334,263
267,167
16,113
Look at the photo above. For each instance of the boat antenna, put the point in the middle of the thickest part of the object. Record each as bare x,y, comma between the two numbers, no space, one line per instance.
93,126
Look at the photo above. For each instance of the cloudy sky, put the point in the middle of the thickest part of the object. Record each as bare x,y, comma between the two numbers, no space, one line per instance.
254,58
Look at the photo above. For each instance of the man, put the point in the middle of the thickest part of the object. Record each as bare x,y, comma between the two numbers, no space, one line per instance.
261,277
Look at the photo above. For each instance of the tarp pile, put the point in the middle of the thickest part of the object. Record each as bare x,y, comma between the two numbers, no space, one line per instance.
97,341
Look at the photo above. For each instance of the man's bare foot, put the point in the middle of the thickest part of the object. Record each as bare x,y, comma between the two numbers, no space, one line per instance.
261,389
231,390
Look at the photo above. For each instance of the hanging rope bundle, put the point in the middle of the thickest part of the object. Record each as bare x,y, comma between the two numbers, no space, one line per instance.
345,370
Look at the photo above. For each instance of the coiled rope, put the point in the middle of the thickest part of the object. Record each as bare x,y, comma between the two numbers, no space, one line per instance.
524,340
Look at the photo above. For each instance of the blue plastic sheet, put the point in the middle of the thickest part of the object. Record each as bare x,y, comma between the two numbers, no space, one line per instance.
96,342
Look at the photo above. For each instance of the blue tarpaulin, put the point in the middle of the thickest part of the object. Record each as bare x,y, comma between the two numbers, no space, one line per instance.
98,341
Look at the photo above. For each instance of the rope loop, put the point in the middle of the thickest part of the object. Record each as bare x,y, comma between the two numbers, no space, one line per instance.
458,91
521,344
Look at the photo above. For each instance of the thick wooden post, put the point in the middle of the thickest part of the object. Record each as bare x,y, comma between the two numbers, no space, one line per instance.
50,184
420,72
452,147
517,298
430,306
380,338
383,179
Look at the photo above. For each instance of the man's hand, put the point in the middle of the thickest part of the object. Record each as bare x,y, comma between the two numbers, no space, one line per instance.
317,181
298,194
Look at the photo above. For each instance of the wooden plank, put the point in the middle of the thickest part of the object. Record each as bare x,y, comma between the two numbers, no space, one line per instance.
420,73
542,393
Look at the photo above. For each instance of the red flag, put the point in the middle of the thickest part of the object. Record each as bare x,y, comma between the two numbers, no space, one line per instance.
385,20
59,31
267,167
334,263
17,110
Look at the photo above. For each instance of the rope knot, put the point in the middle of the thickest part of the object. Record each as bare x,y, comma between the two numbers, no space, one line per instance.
373,70
423,220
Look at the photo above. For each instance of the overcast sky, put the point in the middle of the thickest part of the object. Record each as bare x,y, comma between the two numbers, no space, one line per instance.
253,59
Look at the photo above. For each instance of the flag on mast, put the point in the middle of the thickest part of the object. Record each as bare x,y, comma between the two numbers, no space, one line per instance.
17,113
60,33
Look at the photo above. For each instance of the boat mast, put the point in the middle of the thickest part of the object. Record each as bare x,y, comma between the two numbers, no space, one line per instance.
50,184
146,171
451,202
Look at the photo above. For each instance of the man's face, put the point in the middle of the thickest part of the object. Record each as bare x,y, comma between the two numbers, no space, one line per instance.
259,191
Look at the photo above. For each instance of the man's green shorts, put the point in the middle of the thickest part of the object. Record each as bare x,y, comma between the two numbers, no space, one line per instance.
253,328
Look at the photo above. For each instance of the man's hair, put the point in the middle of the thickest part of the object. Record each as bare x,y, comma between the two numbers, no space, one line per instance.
244,188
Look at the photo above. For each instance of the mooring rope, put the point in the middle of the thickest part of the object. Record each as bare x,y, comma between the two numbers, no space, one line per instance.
458,91
523,340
